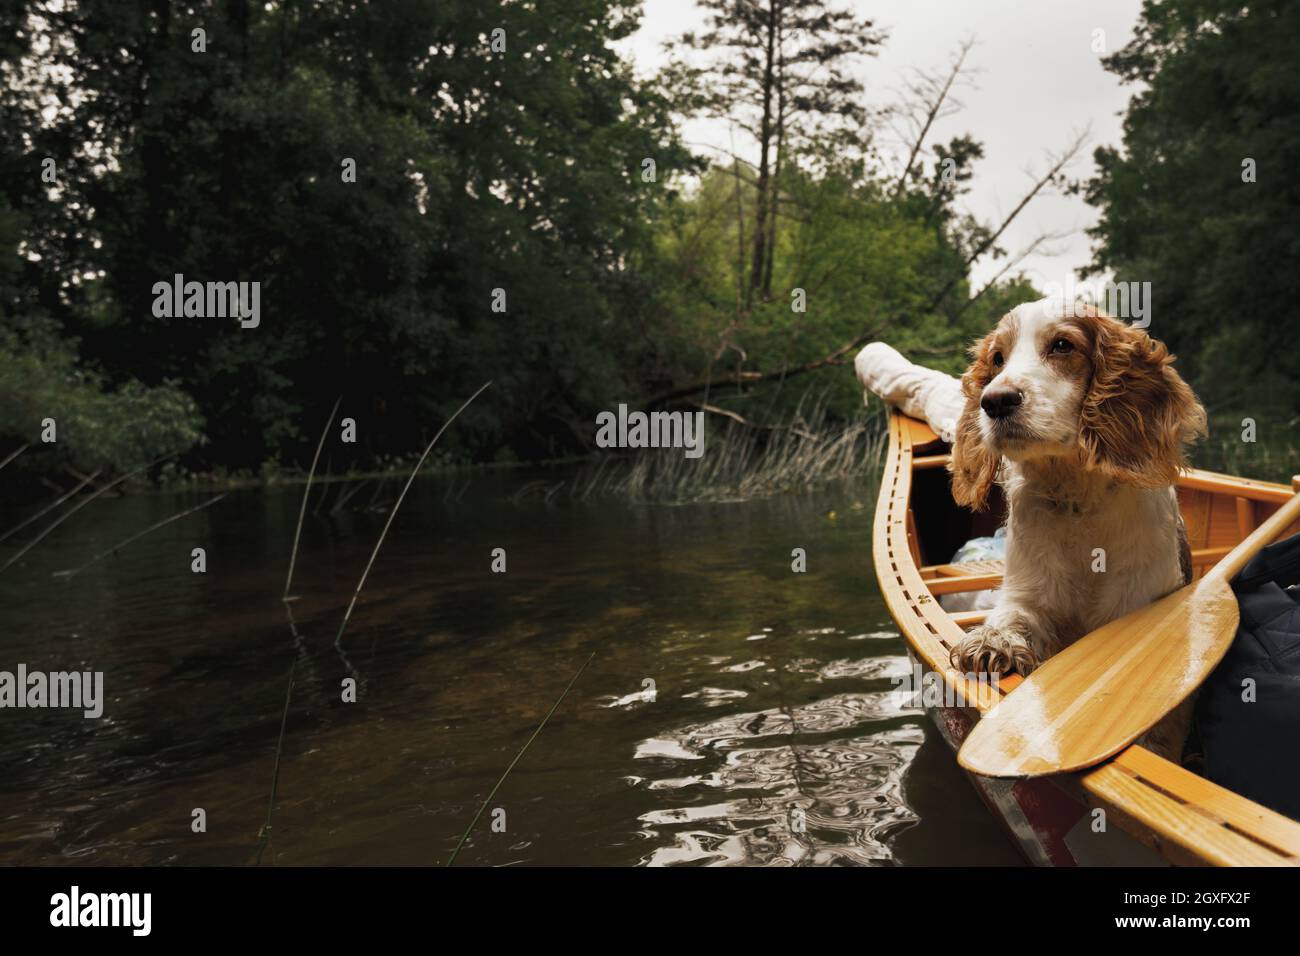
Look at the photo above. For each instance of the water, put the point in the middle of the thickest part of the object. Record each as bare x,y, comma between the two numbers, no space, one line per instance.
771,689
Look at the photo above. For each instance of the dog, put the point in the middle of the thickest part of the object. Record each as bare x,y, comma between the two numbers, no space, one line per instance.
1083,422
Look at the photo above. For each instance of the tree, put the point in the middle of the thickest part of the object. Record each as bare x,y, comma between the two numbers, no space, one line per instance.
782,74
496,145
1200,200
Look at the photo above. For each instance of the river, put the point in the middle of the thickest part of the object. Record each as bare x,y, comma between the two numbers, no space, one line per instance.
733,711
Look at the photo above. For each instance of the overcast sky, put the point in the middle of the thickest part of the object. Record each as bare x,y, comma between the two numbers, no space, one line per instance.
1038,82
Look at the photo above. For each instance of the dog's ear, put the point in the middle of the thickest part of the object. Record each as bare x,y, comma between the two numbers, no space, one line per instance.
974,467
1138,412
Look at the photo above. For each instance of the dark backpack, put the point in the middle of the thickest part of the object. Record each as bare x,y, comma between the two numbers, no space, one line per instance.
1254,747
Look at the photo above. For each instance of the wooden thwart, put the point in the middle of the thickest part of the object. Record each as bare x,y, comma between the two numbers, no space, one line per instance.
965,619
1100,694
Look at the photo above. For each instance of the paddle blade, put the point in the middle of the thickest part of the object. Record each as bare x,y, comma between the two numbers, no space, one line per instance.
1101,693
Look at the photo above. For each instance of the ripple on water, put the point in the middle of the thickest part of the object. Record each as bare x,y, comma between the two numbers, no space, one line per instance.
862,668
716,696
815,784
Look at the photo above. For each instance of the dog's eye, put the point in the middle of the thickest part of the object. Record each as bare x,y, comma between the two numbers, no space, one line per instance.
997,359
1062,347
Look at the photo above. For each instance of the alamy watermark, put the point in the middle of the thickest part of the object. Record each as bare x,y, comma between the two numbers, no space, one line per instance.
929,689
626,429
77,909
208,300
82,690
1120,300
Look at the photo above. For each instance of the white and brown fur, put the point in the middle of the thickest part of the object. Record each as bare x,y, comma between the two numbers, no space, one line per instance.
1086,433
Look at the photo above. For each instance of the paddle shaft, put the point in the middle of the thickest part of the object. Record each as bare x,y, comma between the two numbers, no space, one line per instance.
1272,527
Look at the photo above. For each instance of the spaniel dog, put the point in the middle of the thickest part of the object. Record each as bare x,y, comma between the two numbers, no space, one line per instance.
1082,421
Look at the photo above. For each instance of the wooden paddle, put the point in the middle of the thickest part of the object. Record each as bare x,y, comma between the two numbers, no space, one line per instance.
1101,693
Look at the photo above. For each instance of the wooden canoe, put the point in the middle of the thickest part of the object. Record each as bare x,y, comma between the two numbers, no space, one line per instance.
1153,811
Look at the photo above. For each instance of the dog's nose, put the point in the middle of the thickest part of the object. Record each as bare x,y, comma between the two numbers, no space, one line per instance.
1001,402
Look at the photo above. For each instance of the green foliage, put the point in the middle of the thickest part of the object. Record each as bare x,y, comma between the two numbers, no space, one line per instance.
1219,83
98,428
477,169
858,260
498,146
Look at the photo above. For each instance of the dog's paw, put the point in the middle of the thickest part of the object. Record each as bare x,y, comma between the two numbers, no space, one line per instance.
987,650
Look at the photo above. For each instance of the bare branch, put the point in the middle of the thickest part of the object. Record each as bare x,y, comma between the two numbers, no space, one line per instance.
1020,257
1059,162
932,93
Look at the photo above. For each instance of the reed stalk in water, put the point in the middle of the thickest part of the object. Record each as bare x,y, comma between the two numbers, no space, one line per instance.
13,454
302,511
135,537
554,707
264,835
50,507
78,506
338,638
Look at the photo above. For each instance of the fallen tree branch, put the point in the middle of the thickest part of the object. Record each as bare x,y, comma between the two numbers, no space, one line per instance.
835,358
741,419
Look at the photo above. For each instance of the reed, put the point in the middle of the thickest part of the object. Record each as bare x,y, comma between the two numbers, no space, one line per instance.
302,510
78,506
740,461
135,537
338,638
264,835
522,750
13,454
325,491
50,507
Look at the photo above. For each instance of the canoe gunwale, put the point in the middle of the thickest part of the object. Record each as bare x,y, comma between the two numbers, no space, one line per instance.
1184,817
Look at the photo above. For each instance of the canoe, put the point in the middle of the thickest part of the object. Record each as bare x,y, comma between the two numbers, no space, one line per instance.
1152,810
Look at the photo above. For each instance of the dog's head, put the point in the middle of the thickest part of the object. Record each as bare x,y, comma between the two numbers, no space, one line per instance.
1064,380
